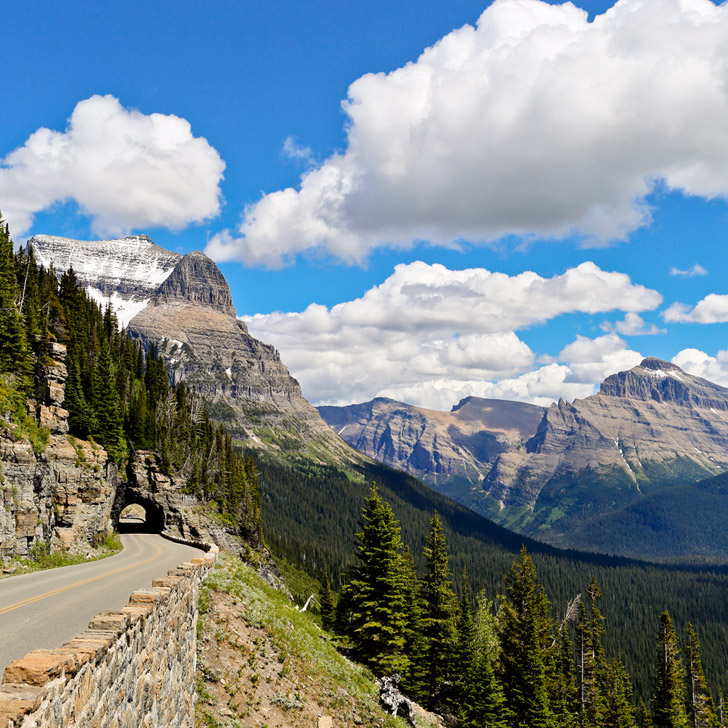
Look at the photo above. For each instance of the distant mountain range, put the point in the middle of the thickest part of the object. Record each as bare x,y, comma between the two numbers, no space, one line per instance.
557,473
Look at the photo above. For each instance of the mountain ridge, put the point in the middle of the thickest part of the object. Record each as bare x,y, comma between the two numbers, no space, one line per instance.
647,428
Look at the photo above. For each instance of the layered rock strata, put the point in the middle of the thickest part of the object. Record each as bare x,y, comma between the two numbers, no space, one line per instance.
646,428
438,447
63,494
537,470
183,307
191,322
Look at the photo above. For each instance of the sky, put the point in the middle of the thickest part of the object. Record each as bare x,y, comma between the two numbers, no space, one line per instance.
420,200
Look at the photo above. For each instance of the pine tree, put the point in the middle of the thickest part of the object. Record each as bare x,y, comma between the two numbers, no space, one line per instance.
15,354
670,697
619,709
414,681
524,633
591,661
465,649
644,719
563,690
439,613
81,418
328,605
375,595
701,710
109,430
481,703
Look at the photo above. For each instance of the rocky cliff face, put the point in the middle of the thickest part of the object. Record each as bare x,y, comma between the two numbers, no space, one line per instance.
182,305
65,493
451,450
125,272
196,280
541,470
68,493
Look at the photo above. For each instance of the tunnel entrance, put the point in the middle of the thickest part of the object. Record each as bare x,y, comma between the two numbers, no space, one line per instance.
134,514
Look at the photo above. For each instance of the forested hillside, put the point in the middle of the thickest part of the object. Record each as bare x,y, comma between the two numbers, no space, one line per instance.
311,517
121,398
509,663
115,393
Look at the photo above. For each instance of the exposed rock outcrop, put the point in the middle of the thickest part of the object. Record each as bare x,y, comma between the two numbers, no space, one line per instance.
63,494
197,280
652,426
183,307
439,447
191,321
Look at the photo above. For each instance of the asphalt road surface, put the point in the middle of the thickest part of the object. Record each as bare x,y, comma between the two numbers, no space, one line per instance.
48,608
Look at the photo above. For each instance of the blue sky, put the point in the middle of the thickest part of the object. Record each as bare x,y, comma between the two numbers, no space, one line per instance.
343,177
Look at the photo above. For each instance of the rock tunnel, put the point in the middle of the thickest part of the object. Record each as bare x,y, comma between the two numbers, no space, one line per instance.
126,496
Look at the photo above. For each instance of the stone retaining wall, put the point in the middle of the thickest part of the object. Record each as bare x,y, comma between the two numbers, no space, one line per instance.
131,668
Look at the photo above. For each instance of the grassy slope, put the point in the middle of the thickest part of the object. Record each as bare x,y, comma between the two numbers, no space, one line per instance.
262,663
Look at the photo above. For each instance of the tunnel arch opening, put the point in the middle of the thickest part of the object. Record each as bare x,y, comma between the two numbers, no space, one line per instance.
138,515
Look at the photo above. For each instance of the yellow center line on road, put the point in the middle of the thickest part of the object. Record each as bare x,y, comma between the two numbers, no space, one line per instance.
38,598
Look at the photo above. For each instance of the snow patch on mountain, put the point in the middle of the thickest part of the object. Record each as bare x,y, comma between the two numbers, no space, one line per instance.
125,309
125,272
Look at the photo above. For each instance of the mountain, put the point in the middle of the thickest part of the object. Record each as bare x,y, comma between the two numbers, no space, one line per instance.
449,450
182,306
125,272
648,428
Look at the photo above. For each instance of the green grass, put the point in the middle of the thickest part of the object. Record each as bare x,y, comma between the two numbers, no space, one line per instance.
41,557
294,634
13,406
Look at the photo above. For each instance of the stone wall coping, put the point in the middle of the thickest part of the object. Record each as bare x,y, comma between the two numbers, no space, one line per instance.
25,681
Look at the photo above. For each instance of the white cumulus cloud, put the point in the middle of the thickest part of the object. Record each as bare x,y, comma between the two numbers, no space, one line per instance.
535,122
430,335
713,309
632,325
592,360
125,169
713,368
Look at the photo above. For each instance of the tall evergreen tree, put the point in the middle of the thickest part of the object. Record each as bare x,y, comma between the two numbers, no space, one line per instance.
701,710
591,661
563,690
15,353
525,628
481,703
375,596
109,430
415,676
439,614
670,699
619,707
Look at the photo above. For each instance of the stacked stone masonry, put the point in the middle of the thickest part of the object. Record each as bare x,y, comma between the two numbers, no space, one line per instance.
132,668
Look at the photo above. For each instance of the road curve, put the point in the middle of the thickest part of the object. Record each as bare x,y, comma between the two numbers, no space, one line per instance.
48,608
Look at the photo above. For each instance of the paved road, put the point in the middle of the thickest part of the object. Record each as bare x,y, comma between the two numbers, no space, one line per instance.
47,608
